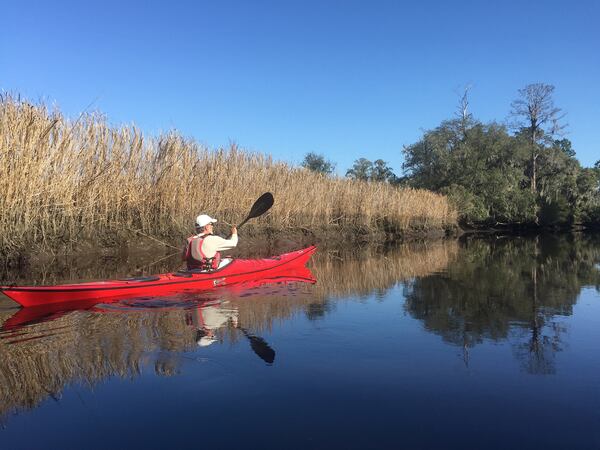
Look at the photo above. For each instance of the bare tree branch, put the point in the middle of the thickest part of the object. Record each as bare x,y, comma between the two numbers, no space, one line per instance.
536,116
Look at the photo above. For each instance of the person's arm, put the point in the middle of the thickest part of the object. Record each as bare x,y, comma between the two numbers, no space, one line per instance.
228,244
219,244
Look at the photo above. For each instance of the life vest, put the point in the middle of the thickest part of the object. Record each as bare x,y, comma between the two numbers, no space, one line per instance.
195,257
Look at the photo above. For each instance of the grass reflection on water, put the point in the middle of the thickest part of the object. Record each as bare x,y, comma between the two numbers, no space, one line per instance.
87,346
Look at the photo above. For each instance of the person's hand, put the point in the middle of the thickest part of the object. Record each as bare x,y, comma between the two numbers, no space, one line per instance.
233,230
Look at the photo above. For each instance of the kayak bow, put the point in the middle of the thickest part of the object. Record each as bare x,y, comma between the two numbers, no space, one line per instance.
239,270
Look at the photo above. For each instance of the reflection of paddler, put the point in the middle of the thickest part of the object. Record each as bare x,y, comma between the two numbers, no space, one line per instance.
207,319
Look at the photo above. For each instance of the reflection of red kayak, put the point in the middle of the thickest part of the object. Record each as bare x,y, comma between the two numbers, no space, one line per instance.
177,301
239,270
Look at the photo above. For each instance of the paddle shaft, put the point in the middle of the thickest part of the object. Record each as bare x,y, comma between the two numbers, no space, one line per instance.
245,220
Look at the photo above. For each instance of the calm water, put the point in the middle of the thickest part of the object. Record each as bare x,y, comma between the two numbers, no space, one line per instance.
487,343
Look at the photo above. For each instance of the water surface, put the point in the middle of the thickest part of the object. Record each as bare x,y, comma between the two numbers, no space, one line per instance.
486,343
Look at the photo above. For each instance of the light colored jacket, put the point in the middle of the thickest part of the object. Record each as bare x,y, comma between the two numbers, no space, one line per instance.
213,244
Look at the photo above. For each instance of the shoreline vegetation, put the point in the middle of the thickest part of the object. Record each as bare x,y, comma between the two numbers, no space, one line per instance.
67,183
522,175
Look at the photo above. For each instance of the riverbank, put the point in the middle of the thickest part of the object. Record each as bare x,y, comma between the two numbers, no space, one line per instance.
69,183
147,256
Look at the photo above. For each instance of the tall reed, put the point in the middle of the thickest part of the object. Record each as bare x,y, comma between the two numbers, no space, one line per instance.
63,180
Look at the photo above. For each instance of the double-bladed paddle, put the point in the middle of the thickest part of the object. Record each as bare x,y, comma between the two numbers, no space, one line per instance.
258,344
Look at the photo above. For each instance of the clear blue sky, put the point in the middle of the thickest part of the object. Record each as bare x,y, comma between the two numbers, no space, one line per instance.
343,78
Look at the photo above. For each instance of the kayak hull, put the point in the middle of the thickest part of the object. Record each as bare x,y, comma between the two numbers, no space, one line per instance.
238,271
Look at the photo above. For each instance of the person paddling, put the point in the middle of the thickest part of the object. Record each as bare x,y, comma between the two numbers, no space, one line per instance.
202,251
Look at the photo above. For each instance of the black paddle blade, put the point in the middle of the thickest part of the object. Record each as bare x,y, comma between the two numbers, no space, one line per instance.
260,347
261,206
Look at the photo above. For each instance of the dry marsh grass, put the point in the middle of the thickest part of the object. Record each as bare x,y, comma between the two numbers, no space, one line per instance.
64,181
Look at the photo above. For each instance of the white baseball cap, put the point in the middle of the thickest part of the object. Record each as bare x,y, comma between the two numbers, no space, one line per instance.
205,341
202,220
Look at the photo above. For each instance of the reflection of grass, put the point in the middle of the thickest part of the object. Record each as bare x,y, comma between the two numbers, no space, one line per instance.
61,181
88,347
343,274
82,347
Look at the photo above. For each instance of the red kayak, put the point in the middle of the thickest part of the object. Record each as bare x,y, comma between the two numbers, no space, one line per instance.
237,271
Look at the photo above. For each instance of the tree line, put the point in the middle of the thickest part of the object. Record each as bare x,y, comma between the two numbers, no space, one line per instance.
362,169
523,172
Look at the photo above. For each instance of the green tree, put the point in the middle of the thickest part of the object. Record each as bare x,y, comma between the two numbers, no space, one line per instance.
365,170
318,163
558,171
381,171
489,174
480,167
565,146
361,170
589,188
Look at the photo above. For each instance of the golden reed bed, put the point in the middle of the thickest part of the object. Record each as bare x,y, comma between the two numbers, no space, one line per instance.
65,181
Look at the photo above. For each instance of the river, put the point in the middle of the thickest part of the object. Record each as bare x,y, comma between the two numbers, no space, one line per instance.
486,342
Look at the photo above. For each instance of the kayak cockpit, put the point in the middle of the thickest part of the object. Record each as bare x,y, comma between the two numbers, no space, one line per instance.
189,272
140,279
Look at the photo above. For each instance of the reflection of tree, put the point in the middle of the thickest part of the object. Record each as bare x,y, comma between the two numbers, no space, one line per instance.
536,350
500,286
